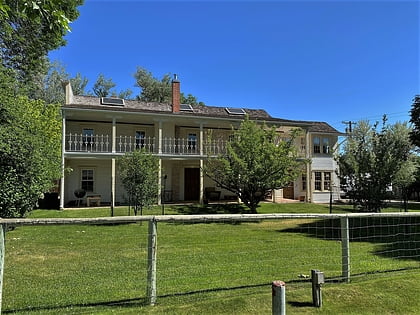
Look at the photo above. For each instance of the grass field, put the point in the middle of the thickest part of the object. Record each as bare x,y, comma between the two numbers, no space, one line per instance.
101,269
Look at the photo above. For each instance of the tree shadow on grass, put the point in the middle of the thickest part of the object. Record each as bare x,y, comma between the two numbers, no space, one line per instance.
399,236
211,209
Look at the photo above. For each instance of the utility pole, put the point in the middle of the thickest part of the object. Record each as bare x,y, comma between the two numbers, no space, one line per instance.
350,124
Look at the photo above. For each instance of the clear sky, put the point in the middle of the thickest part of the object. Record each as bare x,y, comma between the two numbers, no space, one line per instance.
326,60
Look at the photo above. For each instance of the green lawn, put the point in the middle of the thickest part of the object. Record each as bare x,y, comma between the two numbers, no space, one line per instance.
218,268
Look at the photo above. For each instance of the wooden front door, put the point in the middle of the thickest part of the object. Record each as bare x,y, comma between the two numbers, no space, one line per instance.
192,184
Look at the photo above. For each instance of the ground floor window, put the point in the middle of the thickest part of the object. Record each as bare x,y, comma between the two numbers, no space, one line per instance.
87,180
322,181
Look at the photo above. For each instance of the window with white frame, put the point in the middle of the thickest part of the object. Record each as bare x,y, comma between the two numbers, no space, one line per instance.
304,181
87,180
327,181
322,181
326,145
317,144
302,145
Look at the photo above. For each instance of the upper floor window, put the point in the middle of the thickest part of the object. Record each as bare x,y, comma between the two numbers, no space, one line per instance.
140,135
88,136
317,145
326,145
192,141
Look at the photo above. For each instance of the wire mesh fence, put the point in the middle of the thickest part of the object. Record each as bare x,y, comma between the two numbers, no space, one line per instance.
68,262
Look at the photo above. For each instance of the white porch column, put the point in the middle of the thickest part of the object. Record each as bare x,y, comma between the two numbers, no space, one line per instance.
308,168
160,191
201,181
114,139
114,135
160,138
201,139
63,148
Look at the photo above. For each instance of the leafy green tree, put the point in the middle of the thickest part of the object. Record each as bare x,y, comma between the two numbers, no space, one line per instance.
158,90
190,99
152,89
78,84
255,163
125,94
139,175
30,148
103,86
28,31
52,84
415,120
405,177
371,160
414,188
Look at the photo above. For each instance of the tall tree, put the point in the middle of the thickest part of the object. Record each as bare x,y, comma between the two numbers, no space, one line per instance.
30,148
152,89
158,90
125,94
415,120
29,30
190,99
51,90
255,163
103,86
139,175
78,84
371,160
405,177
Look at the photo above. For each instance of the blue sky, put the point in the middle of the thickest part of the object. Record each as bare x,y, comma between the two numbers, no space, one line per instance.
327,61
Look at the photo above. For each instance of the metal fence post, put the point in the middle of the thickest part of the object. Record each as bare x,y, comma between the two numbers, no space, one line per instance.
278,298
2,254
345,249
151,262
317,278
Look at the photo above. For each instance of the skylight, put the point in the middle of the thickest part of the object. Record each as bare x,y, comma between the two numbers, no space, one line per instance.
186,107
112,101
235,111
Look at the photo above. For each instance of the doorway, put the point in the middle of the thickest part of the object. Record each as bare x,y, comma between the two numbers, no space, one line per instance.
191,184
289,192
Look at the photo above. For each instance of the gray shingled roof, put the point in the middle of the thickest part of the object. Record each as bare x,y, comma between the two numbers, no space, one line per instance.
94,103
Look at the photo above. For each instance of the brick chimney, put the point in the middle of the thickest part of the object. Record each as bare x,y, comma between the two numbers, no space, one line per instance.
176,94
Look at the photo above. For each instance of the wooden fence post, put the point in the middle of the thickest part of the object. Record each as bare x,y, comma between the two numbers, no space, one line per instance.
345,249
151,262
2,254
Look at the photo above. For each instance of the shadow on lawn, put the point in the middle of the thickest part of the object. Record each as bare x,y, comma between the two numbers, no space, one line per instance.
233,208
133,302
400,237
62,308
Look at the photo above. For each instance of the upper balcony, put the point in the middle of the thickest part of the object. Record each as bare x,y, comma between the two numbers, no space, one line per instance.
168,146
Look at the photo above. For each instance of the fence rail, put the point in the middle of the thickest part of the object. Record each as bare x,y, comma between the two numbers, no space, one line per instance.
343,230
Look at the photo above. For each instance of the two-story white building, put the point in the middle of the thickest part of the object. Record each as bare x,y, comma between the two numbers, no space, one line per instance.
97,131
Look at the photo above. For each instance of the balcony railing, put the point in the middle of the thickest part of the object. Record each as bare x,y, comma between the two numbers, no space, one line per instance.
169,145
